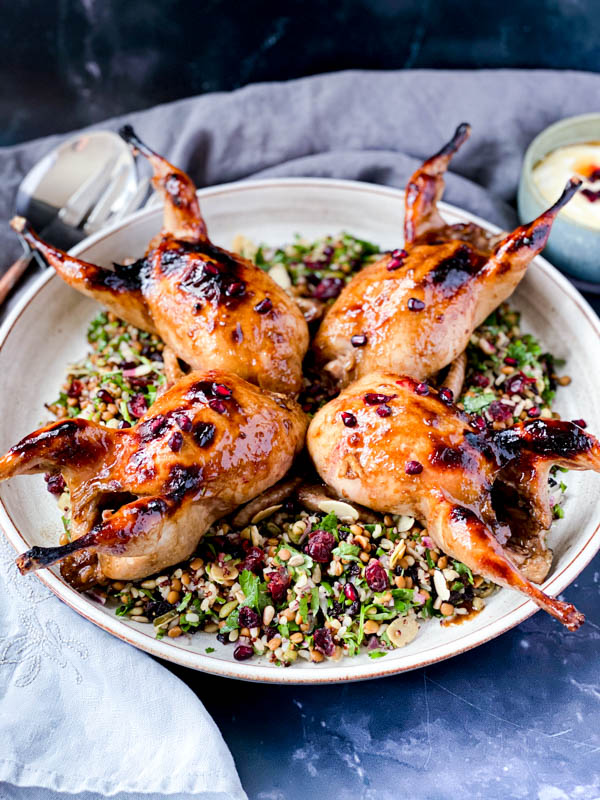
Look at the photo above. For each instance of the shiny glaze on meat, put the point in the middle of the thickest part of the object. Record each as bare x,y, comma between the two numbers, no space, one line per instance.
417,307
425,459
142,497
215,309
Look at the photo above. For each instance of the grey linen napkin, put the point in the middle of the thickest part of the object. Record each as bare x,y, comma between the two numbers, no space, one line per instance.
368,126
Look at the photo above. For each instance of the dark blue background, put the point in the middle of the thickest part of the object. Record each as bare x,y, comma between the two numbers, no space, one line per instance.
516,718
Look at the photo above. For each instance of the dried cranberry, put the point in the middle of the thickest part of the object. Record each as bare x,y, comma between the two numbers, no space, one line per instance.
422,389
413,467
221,390
446,395
500,412
376,577
264,306
324,641
480,380
515,384
383,411
124,424
271,632
223,638
204,433
278,583
375,399
353,609
184,422
348,419
55,483
254,559
76,388
328,288
137,406
248,617
319,546
359,340
104,396
414,304
217,405
243,652
175,441
581,423
352,569
350,592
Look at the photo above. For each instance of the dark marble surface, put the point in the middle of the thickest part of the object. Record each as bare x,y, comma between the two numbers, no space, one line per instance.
66,63
515,718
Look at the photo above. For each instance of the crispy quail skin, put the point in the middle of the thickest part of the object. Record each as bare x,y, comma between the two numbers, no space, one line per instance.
422,457
417,307
215,309
142,497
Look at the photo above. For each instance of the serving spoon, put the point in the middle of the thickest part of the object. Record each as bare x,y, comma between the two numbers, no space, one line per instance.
77,188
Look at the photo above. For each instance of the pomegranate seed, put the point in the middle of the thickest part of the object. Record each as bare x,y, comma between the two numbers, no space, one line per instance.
512,362
446,395
359,340
218,406
348,419
594,174
581,423
210,269
533,412
413,467
376,577
397,260
235,289
383,411
481,380
422,389
124,424
414,304
328,288
399,253
350,592
375,399
137,406
76,388
184,422
264,306
478,422
104,396
204,433
324,641
500,411
221,390
242,652
175,441
590,195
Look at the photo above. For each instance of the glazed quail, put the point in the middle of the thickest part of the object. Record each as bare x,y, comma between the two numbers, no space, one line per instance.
413,311
399,446
213,308
142,497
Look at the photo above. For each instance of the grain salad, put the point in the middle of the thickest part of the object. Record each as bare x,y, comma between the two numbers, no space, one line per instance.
296,582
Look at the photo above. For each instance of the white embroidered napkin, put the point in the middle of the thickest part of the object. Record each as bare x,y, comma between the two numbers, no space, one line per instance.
81,712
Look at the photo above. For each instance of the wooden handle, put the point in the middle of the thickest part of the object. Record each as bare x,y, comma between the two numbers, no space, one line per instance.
12,275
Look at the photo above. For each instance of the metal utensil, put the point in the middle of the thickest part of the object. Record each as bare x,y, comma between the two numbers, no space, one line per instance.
85,183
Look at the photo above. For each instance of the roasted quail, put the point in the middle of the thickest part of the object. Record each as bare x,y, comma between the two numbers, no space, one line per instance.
142,497
413,311
215,309
399,446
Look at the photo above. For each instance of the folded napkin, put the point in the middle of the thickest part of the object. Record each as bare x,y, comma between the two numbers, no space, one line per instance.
80,711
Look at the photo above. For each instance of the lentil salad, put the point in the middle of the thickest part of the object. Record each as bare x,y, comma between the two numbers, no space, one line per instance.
296,583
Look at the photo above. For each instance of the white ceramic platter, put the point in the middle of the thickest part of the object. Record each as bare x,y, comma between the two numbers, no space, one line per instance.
47,331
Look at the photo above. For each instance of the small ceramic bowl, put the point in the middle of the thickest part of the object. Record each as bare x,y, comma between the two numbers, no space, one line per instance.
572,246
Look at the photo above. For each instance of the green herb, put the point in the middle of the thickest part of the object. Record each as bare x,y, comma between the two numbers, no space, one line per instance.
345,550
329,523
558,512
474,405
209,650
462,569
232,622
250,584
185,602
377,653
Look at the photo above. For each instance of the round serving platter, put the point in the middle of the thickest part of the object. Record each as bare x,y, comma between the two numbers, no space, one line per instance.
46,331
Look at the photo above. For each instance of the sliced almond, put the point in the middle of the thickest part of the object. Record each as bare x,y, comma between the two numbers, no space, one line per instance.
440,586
398,553
343,511
280,275
265,513
405,523
403,630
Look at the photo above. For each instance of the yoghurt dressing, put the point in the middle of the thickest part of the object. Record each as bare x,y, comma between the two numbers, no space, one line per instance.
555,169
